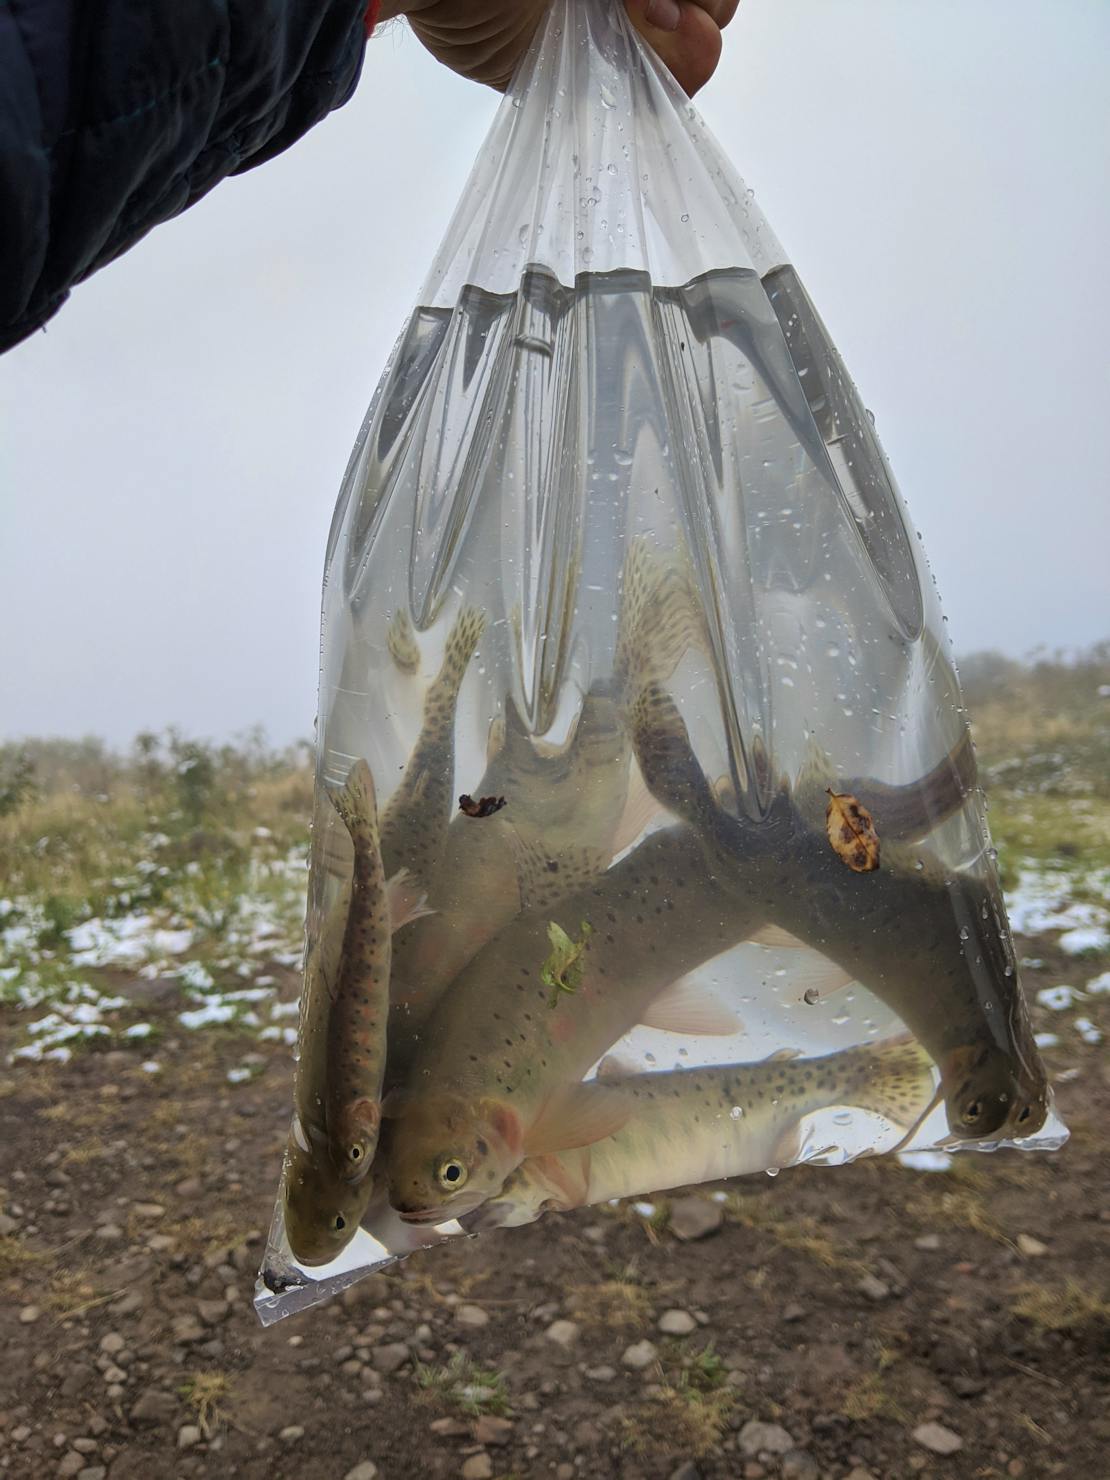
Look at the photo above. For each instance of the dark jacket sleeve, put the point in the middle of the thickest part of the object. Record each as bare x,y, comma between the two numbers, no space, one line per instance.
117,114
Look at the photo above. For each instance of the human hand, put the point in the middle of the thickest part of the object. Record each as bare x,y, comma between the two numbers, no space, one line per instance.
484,39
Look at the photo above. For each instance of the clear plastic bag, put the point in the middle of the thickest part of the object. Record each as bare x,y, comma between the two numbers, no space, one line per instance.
619,562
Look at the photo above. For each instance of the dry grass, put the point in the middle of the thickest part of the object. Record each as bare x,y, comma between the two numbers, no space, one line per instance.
960,1207
681,1419
15,1257
617,1305
1060,1307
801,1235
205,1391
464,1385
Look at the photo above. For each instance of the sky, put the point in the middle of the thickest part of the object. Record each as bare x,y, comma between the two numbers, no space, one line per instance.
171,449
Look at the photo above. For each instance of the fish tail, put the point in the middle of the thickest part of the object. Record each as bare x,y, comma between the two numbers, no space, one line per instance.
402,644
896,1080
356,802
659,618
666,758
461,642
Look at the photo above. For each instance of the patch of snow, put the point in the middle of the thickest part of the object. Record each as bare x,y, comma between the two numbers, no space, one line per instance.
645,1209
1046,1040
238,1076
1085,938
291,1009
1042,900
1087,1030
1057,998
1097,986
151,1066
211,1012
138,1030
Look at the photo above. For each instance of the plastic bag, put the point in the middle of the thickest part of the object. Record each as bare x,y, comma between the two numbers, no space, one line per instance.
619,563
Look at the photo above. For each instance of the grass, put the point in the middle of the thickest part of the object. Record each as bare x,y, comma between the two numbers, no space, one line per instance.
464,1385
15,1257
618,1304
205,1391
1060,1307
801,1235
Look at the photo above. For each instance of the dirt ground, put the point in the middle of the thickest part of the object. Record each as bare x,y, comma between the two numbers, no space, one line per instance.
825,1329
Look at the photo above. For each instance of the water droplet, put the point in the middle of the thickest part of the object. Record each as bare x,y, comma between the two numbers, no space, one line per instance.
965,933
811,996
772,1171
649,1058
685,216
833,651
842,1117
919,864
611,168
736,1112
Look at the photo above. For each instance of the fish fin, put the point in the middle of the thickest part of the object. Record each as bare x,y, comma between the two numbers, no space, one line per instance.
777,939
659,617
783,1056
402,644
613,1066
407,901
688,1007
901,1083
577,1115
640,811
355,801
788,1147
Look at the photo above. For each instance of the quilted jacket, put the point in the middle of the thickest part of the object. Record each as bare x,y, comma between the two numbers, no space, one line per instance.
117,114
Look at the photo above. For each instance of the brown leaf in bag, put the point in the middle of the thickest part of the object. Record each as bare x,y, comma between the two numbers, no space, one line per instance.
852,832
483,807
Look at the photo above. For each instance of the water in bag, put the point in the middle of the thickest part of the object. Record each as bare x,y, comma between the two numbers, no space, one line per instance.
647,848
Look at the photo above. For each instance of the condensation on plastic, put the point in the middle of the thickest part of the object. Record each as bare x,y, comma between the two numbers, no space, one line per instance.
617,543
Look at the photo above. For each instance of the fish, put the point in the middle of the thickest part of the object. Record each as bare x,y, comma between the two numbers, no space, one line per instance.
415,821
356,1032
703,1125
931,943
569,808
496,1075
402,644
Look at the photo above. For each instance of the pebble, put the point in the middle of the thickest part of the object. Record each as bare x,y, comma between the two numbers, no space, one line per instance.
938,1439
112,1343
70,1464
694,1217
21,1433
86,1446
390,1357
212,1312
1031,1247
794,1313
149,1210
291,1434
190,1187
677,1323
564,1472
7,1225
488,1429
29,1315
639,1355
930,1242
153,1406
471,1315
798,1465
478,1467
873,1288
188,1435
601,1374
688,1470
764,1438
365,1470
449,1428
109,1233
93,1472
859,1473
562,1333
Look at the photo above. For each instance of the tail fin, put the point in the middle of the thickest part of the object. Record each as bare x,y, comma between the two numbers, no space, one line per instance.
356,801
402,644
659,618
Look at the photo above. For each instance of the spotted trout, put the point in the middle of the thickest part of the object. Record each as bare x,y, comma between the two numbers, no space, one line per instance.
496,1076
703,1125
931,943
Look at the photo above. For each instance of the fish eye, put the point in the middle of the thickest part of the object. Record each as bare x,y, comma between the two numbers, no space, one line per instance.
451,1174
973,1111
355,1153
340,1223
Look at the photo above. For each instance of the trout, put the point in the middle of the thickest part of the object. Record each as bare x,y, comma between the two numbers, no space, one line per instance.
704,1125
932,944
497,1074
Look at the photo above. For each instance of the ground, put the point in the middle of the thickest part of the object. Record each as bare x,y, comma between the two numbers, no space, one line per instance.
851,1321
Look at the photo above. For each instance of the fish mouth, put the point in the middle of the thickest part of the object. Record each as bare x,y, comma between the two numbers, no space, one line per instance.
426,1215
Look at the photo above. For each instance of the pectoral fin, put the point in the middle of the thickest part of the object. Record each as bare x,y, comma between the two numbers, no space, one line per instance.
407,901
688,1007
576,1116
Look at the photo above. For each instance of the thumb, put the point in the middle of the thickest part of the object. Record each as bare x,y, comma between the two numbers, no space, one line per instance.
684,36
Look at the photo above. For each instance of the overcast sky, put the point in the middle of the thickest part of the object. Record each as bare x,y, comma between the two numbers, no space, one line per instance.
938,170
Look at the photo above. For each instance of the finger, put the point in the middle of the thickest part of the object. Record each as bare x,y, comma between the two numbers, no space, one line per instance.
691,48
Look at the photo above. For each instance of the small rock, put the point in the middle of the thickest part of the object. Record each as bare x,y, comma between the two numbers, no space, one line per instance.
187,1330
794,1313
938,1439
873,1288
798,1465
764,1438
366,1470
562,1333
291,1434
639,1355
29,1315
859,1473
390,1357
688,1470
190,1187
109,1233
70,1464
965,1386
21,1433
86,1446
212,1312
489,1429
149,1210
449,1428
7,1225
601,1374
188,1435
677,1323
477,1467
93,1472
1031,1247
695,1217
929,1242
112,1343
564,1472
153,1406
471,1315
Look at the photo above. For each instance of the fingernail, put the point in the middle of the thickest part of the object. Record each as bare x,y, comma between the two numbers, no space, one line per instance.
664,15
